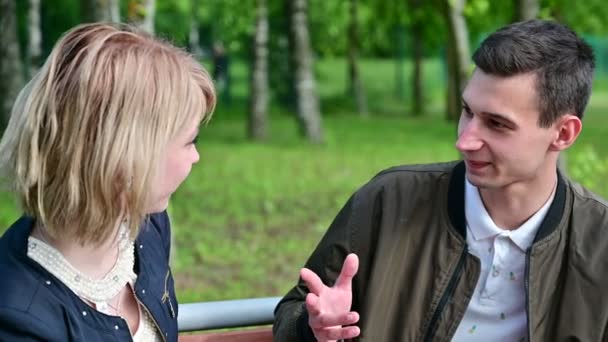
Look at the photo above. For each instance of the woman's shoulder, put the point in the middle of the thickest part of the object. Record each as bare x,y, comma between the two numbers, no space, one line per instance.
159,222
24,285
18,275
156,230
27,306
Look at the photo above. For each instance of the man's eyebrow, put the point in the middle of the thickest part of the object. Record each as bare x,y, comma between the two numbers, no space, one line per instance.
500,116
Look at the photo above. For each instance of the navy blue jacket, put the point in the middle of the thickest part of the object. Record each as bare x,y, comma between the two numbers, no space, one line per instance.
36,306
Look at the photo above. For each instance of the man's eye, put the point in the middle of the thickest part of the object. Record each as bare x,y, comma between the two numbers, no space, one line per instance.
497,124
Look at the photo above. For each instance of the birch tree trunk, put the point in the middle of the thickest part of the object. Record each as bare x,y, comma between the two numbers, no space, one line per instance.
307,99
114,10
35,38
11,72
355,85
457,54
258,102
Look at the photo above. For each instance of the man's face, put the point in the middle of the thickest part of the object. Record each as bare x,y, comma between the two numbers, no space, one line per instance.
498,134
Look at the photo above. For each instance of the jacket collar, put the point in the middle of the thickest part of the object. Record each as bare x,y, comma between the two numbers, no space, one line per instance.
456,204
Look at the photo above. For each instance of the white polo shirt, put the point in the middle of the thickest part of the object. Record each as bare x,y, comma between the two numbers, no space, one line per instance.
497,310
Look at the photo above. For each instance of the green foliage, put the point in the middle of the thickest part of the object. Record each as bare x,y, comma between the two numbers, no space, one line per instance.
329,26
484,16
231,22
589,169
57,17
383,38
172,20
583,16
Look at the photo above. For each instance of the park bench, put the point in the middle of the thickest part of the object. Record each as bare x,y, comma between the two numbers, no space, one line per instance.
203,318
249,335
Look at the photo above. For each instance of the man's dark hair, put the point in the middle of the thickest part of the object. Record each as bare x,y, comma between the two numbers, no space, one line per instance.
563,64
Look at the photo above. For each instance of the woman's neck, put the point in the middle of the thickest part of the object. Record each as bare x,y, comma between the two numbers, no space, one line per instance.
93,260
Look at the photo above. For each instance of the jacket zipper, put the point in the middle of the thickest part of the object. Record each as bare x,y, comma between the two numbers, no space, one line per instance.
527,290
166,297
160,331
446,296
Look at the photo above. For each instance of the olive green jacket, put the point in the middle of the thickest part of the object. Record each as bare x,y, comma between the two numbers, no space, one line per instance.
416,277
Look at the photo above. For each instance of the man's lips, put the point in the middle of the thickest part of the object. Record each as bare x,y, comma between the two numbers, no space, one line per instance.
476,164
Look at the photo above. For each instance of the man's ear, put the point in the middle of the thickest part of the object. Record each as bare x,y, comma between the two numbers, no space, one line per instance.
567,129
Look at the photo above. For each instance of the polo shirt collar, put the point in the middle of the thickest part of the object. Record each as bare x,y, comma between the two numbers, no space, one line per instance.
481,226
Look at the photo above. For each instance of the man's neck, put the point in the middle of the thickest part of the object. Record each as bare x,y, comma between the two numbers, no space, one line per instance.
514,204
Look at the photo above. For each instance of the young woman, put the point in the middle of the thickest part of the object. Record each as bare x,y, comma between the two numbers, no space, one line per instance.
97,142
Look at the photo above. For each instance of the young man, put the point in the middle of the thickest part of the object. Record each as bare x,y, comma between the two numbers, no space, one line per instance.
497,247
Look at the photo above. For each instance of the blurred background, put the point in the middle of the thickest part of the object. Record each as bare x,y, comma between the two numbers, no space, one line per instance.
315,98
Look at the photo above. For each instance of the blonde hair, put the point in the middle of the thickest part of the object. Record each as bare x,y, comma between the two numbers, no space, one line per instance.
86,133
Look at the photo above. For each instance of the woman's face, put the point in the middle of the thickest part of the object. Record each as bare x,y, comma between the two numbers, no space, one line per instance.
175,165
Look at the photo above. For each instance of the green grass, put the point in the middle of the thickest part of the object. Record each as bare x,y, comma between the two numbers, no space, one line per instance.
250,213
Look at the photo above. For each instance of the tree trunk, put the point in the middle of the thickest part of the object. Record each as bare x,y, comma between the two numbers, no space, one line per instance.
194,41
307,99
280,51
526,9
100,10
35,38
452,107
399,61
258,102
11,72
355,85
115,10
457,55
141,14
417,55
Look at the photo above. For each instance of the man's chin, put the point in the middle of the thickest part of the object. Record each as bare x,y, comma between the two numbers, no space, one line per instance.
477,181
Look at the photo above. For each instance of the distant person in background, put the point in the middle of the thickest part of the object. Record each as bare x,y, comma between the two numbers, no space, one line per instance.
497,247
221,72
97,142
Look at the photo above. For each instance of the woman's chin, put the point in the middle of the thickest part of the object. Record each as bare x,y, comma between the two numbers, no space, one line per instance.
159,206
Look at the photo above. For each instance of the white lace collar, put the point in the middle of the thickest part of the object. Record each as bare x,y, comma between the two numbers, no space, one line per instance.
97,291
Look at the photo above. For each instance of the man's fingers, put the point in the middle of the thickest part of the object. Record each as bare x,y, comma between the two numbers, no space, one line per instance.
312,280
337,333
312,305
349,269
330,321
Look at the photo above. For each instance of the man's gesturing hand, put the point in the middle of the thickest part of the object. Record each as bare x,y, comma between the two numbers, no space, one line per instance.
329,307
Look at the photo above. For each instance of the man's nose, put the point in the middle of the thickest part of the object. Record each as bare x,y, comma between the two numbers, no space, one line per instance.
469,137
